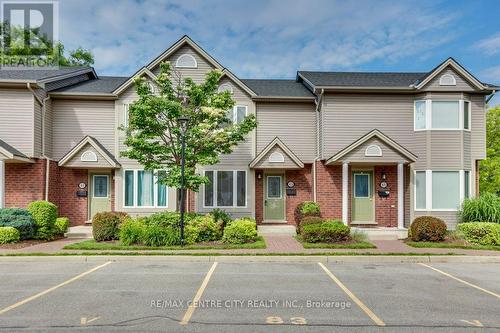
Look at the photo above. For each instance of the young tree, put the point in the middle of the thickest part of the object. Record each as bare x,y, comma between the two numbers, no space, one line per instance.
489,170
154,136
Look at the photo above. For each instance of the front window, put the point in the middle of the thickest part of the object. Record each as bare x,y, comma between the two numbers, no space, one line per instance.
141,189
440,190
466,184
225,189
420,190
441,115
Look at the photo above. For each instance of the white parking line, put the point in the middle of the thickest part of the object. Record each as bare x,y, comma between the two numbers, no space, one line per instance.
199,293
460,280
356,300
40,294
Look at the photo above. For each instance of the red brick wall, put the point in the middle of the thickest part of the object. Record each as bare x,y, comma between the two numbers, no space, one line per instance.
329,190
71,206
24,183
303,180
386,209
259,196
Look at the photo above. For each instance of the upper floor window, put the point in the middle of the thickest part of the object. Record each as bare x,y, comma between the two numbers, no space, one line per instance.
447,80
186,61
125,115
237,114
441,115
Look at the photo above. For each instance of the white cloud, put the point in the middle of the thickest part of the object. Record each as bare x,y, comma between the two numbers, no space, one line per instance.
257,38
491,75
490,45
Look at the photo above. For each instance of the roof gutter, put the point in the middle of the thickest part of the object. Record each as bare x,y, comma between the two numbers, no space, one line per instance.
490,97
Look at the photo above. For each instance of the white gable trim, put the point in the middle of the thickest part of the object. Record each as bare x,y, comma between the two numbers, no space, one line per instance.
375,133
238,82
286,150
458,68
130,81
87,140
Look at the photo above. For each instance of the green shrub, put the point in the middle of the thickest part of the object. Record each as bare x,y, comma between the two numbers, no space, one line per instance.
427,229
9,235
132,231
221,215
485,208
329,231
106,225
206,229
20,219
45,215
61,225
240,231
308,220
169,219
309,208
155,235
484,233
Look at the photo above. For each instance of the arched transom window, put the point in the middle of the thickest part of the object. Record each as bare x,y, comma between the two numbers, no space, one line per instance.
186,61
373,150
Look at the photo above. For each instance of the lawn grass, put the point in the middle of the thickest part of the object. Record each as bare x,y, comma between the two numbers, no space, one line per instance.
214,254
353,245
106,246
452,246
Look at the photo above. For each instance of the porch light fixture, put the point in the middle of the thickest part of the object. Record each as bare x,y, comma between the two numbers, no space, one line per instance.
183,125
384,175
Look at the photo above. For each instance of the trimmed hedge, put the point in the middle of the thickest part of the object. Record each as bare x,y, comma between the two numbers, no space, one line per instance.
106,225
20,219
329,231
427,229
484,233
203,229
485,208
9,235
61,225
240,231
45,214
308,220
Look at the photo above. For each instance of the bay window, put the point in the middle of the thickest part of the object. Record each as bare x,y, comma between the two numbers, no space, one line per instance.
225,189
441,115
141,189
441,190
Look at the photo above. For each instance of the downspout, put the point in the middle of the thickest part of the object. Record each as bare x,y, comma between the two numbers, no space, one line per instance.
317,158
47,167
490,97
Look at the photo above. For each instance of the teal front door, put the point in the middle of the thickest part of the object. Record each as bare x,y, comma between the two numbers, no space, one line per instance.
274,201
362,197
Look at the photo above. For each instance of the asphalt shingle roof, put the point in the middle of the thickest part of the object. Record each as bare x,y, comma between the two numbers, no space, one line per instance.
11,149
104,84
38,74
363,79
277,88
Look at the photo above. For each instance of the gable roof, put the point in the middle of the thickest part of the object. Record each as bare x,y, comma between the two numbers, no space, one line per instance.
373,133
11,152
277,142
185,40
278,88
96,145
240,83
127,83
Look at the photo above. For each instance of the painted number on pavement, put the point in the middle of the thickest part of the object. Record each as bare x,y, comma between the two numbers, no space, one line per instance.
273,320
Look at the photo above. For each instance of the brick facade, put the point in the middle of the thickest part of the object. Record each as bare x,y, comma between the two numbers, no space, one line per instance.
71,206
386,209
303,180
24,183
329,190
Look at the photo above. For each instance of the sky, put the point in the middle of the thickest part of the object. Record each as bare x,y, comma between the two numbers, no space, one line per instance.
274,39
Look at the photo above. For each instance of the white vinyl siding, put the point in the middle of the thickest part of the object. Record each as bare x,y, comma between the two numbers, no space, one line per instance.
141,189
226,188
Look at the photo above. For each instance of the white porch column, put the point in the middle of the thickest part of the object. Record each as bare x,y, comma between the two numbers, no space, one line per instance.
2,183
345,192
401,194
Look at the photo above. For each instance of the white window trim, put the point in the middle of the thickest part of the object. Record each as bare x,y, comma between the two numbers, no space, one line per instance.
235,112
155,190
125,114
376,154
447,75
470,115
225,87
428,115
235,188
93,187
276,157
428,191
281,187
184,56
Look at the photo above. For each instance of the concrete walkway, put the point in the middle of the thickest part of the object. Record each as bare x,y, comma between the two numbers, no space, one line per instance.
276,244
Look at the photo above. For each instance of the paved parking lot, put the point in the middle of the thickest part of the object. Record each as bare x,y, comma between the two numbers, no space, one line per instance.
163,296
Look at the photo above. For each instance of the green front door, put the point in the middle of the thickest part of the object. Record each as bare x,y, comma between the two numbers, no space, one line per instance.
362,196
99,194
274,202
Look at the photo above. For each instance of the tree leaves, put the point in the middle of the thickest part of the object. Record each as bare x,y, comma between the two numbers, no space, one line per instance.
489,174
154,136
